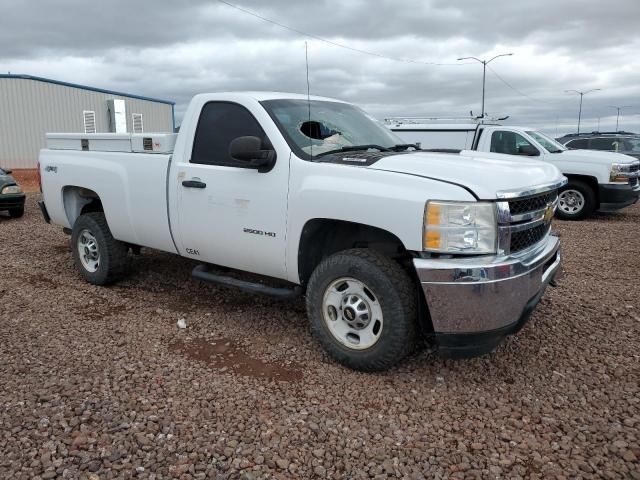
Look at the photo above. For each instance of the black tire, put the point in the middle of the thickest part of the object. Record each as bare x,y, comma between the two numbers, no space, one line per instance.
588,207
16,212
113,254
394,291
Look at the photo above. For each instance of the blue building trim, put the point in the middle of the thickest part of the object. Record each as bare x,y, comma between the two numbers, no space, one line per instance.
86,87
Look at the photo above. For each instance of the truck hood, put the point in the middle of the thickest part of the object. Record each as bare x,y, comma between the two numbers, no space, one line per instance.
484,174
593,156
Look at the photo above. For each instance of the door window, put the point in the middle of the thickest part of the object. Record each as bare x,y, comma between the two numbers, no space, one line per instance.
511,143
219,124
578,144
602,144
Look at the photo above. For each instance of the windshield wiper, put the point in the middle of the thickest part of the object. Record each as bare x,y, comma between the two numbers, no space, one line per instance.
355,148
405,146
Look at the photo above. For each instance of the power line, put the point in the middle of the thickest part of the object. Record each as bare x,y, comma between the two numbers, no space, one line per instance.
515,89
519,92
331,42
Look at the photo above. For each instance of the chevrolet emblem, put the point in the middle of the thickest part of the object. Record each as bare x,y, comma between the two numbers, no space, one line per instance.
548,213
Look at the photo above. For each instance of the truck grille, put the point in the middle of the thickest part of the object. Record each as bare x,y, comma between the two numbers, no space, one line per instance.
527,238
634,181
532,203
525,221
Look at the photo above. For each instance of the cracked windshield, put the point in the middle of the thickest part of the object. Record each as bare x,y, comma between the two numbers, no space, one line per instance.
331,126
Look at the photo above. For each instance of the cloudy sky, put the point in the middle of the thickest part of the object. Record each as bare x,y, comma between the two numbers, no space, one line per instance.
173,50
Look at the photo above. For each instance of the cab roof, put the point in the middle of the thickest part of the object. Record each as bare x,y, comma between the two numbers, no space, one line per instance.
261,96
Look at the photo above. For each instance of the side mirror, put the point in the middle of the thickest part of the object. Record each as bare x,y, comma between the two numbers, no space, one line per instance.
528,150
8,172
249,149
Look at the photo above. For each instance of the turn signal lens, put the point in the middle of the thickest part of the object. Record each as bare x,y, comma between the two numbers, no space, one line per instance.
433,214
432,239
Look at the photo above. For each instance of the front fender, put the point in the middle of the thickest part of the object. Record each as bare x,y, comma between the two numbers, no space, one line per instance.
390,201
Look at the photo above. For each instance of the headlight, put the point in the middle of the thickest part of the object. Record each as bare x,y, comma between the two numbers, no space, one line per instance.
11,189
460,227
620,172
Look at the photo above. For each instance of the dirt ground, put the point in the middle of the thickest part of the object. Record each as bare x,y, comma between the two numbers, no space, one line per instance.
99,382
27,179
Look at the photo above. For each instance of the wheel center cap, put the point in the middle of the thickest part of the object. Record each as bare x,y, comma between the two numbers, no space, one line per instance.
349,314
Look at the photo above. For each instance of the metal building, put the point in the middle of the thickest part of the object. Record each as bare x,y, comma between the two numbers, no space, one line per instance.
32,106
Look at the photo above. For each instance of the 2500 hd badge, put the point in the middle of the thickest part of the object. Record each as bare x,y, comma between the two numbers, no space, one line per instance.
259,232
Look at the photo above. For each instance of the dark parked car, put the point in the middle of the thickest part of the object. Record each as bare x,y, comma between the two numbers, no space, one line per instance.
620,142
11,195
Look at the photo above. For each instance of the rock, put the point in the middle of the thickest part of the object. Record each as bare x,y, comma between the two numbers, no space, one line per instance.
80,441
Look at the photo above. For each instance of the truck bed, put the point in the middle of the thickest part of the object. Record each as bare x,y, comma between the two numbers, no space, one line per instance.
131,186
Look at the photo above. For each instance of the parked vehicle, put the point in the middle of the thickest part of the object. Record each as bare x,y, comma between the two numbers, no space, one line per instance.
11,196
598,181
388,243
619,142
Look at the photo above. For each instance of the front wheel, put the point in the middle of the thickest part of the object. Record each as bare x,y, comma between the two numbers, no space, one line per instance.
99,257
576,201
362,308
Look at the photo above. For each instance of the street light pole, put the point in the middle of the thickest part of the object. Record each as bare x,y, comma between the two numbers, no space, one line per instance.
484,72
618,109
582,94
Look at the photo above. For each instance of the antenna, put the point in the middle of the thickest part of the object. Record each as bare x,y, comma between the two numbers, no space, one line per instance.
306,58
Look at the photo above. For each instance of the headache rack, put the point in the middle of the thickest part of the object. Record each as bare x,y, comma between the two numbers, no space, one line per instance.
524,217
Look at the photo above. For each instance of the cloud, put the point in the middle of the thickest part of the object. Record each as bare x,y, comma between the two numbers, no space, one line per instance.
176,49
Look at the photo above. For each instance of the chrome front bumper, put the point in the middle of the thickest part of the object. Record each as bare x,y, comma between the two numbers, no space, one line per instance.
476,301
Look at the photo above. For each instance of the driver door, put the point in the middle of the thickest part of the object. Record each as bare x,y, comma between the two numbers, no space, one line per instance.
229,214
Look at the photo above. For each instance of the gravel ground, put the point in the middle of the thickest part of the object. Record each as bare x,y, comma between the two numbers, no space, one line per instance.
100,383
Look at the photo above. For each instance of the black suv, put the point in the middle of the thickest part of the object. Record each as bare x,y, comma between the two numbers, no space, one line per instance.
621,142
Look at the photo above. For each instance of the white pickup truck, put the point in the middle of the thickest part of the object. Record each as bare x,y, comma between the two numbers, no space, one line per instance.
601,181
389,244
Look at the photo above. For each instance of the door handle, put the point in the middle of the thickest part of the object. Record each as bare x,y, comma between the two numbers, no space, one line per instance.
193,184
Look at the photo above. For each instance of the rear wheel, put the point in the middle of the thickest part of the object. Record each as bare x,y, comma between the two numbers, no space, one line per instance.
99,257
576,201
362,308
16,212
